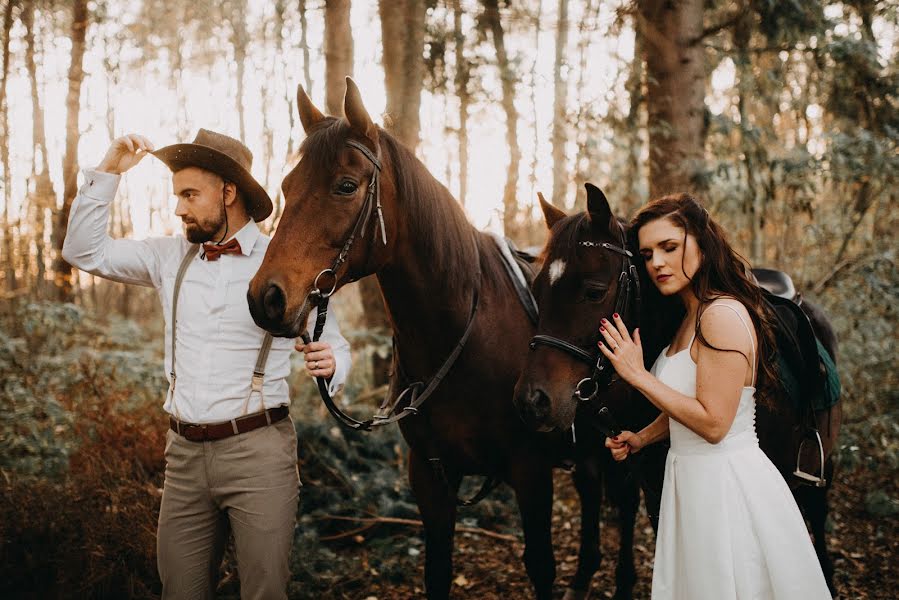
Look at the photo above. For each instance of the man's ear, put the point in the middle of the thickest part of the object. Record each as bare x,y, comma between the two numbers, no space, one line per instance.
230,193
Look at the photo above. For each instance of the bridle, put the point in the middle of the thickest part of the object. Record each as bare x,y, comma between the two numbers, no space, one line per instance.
627,297
372,199
323,289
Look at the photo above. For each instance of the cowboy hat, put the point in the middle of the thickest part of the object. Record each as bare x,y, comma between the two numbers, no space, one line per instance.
224,156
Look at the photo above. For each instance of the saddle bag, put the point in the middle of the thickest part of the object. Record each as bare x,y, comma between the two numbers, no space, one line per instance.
808,374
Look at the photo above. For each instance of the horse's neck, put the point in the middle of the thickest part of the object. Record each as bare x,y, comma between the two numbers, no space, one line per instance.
429,304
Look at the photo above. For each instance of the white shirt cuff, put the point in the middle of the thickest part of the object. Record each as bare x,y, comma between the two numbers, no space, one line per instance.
99,185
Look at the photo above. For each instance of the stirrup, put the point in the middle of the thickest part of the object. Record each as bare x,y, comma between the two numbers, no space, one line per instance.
810,478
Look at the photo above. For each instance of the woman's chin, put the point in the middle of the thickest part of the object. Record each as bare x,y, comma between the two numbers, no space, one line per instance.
670,288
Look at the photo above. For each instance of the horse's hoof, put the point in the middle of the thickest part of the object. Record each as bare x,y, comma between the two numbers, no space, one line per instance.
573,594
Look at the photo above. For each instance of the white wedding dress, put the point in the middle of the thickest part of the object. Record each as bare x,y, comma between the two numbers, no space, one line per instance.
729,528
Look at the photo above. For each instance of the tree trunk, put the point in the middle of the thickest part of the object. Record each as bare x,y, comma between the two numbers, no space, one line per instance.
338,53
533,97
754,202
463,75
635,85
304,46
676,90
584,123
510,192
402,34
560,109
42,196
9,268
62,271
240,41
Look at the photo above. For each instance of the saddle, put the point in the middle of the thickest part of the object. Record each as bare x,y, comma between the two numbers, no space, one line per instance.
778,283
807,372
518,267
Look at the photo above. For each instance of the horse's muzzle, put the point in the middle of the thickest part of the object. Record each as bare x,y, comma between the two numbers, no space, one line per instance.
271,312
535,407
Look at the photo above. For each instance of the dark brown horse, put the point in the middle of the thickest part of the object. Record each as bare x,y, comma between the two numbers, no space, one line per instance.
433,267
572,300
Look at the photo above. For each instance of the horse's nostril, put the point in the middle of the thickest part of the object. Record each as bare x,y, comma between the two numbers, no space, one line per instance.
541,400
274,303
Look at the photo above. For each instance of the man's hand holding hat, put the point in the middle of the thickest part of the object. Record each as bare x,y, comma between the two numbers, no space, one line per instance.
124,153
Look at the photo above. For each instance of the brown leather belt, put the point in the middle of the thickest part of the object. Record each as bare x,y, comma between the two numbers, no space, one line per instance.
206,432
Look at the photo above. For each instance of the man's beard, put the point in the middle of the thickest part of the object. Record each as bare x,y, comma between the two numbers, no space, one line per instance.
198,232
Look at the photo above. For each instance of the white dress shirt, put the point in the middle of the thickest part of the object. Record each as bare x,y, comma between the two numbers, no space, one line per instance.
217,340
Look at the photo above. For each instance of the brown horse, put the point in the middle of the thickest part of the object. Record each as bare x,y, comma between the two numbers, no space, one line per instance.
572,301
442,282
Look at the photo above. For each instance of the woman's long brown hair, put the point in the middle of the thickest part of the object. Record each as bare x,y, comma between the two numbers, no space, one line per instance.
722,272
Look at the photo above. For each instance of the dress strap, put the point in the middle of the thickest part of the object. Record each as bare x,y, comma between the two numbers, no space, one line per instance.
748,330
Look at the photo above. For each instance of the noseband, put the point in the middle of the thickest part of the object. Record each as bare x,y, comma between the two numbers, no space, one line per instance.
627,295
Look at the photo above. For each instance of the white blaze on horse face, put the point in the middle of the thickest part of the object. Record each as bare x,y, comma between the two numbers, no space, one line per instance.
556,270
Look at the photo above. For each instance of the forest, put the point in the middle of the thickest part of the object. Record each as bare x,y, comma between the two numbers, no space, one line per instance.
780,116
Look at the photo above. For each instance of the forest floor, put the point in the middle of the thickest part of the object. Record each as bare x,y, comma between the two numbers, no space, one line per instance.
864,549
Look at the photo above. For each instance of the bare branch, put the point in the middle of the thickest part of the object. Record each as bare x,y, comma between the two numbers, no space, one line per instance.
369,522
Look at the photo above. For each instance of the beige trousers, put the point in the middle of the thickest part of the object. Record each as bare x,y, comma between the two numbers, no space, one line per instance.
248,484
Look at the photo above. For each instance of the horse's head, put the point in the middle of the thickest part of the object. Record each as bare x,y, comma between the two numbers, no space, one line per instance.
332,231
579,284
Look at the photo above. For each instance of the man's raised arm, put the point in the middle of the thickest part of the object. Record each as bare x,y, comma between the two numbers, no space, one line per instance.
87,245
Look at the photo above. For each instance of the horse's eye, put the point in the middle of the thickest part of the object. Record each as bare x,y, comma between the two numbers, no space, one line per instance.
595,293
347,188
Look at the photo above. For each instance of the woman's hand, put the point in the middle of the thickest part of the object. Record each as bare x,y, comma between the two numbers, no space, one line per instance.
319,358
625,354
625,444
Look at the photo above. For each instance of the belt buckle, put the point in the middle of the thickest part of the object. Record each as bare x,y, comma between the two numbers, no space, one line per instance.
202,433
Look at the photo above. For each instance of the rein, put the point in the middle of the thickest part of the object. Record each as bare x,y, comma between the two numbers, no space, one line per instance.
320,296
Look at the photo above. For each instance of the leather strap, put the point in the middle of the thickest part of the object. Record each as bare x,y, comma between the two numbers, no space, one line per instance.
207,432
182,269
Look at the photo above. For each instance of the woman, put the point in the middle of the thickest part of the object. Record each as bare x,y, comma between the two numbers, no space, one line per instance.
729,527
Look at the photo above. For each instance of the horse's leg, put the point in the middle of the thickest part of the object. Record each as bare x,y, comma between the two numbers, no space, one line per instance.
436,498
533,484
813,501
625,496
588,483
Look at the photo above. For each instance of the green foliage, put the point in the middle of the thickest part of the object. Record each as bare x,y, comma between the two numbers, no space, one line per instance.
54,360
786,20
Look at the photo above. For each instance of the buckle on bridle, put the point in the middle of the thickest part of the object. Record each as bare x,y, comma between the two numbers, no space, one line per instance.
317,290
585,385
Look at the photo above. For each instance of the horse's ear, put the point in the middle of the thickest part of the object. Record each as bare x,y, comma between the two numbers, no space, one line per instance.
309,115
551,214
356,114
598,210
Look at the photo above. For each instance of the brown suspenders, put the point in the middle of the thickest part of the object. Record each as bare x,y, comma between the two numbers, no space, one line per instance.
258,370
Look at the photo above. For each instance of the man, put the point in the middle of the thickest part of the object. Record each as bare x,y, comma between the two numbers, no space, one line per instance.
231,449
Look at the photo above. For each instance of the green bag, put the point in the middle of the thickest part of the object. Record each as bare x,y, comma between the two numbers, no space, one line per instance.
827,391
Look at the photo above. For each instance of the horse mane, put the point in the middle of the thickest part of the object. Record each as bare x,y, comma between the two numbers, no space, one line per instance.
449,240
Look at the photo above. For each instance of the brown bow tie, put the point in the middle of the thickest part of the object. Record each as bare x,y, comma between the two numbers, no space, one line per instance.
213,251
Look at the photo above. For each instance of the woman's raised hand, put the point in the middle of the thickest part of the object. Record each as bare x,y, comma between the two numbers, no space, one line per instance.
625,353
